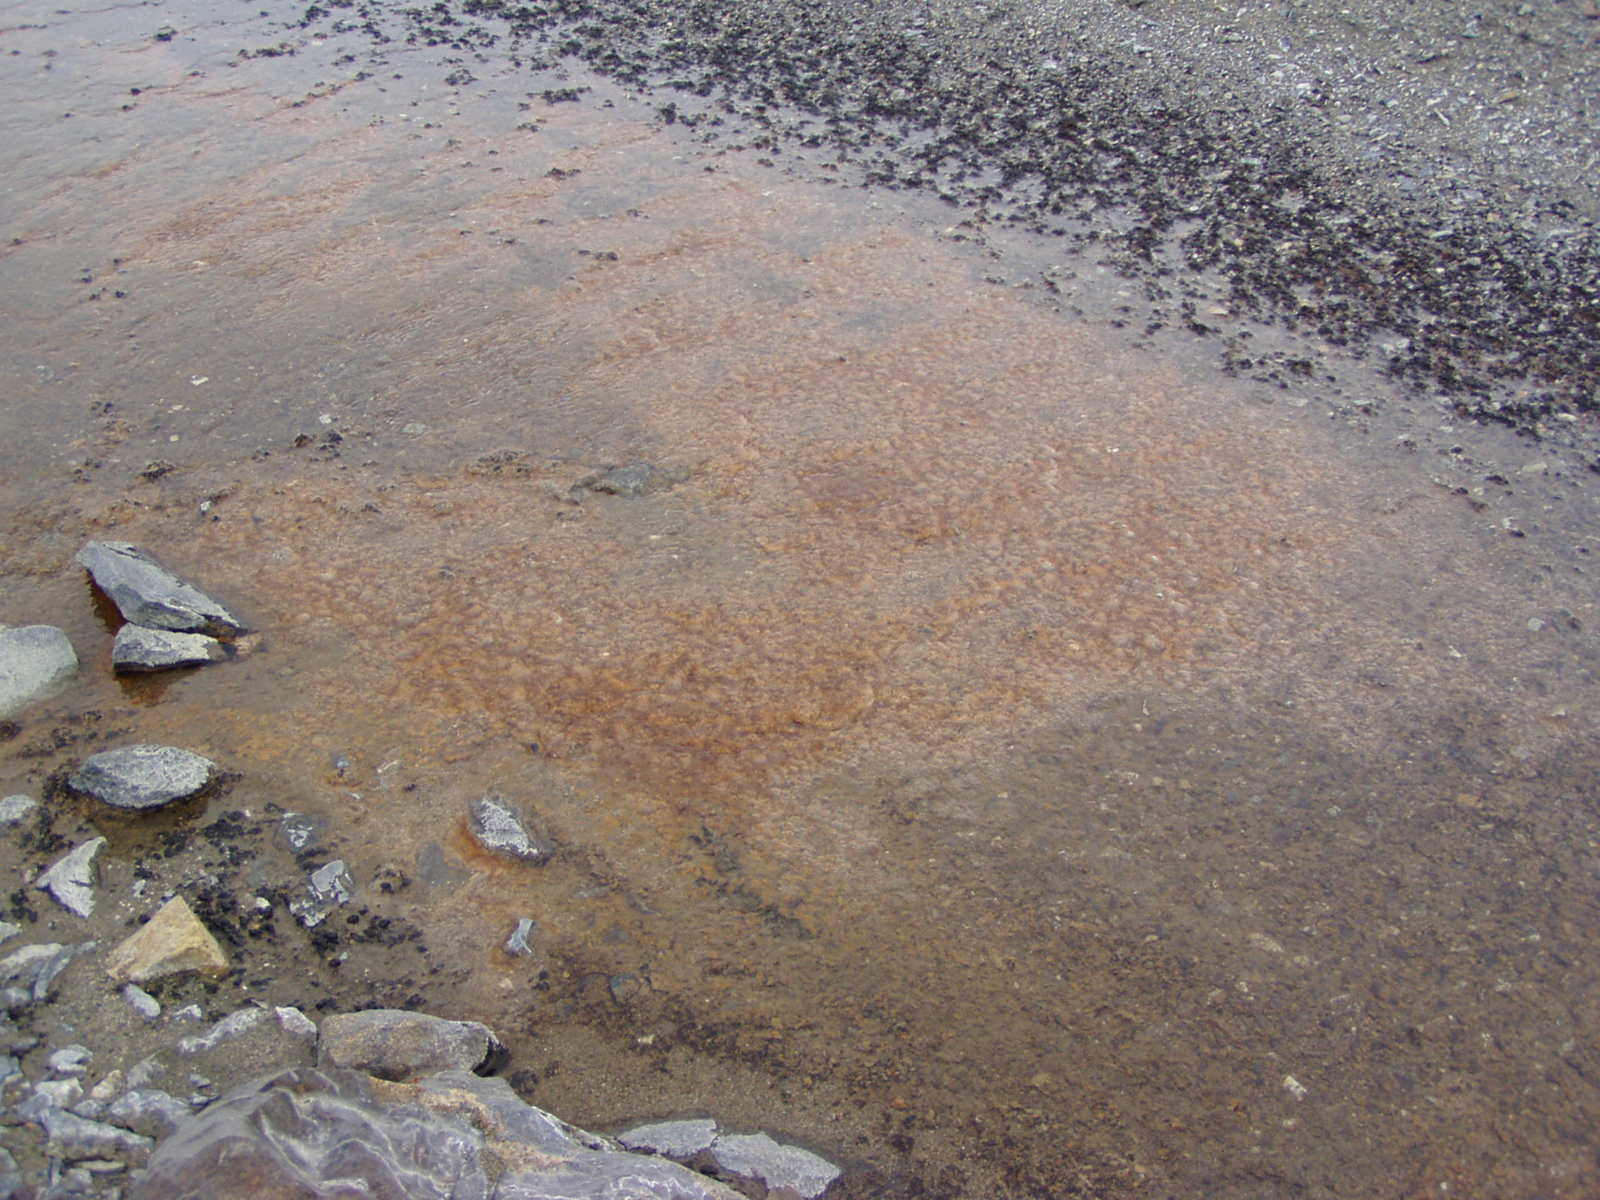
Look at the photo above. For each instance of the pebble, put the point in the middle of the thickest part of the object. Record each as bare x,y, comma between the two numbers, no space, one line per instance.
518,942
499,829
143,1003
14,808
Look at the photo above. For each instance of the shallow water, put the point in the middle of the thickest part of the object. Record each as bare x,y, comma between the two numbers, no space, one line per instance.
996,748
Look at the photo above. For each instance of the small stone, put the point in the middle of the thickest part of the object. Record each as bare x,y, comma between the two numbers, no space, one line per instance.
8,931
328,887
70,1060
497,828
61,1093
149,1111
71,879
75,1138
675,1139
397,1045
518,942
143,1003
14,808
171,942
231,1028
107,1087
139,649
148,594
35,661
757,1156
296,1023
33,970
142,778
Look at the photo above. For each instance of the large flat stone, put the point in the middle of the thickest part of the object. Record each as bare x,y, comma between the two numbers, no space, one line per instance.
143,777
757,1156
137,649
394,1044
35,661
170,943
148,594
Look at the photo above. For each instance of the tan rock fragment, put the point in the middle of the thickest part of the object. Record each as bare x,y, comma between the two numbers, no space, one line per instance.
171,941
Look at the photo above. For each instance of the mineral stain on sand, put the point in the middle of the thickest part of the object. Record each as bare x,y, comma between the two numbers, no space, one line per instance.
1004,753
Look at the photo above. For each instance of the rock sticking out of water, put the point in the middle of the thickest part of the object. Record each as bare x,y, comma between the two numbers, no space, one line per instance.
170,943
148,594
519,942
35,660
137,649
143,777
499,829
14,808
778,1166
394,1044
71,879
675,1139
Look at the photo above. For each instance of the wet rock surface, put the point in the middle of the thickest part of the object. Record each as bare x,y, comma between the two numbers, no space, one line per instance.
501,829
35,661
148,594
171,942
71,879
142,778
136,648
396,1045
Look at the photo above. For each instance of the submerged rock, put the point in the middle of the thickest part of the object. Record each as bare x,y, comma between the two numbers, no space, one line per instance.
71,879
14,808
143,777
675,1139
394,1044
137,649
499,829
778,1166
148,594
35,660
29,974
170,943
519,942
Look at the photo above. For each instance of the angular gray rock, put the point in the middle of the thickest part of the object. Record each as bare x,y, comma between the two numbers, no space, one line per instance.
327,887
71,878
308,1133
520,941
396,1045
148,594
142,778
14,808
137,649
675,1139
778,1166
148,1111
497,827
75,1138
35,660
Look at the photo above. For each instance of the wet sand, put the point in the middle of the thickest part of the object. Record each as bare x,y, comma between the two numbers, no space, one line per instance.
998,747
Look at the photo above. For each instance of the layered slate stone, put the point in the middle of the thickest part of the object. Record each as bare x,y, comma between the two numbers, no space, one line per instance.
71,878
148,594
35,661
142,778
137,649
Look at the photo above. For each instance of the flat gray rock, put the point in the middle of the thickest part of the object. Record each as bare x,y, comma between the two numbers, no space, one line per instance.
148,594
143,777
14,808
778,1166
676,1139
498,828
71,878
33,970
137,649
391,1043
35,660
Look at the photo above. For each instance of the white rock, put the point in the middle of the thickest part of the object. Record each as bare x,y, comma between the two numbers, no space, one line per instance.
146,1005
71,879
35,660
14,808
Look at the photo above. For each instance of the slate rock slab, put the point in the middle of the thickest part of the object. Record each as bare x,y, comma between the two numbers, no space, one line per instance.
394,1044
148,594
498,828
142,778
778,1166
35,661
137,649
675,1139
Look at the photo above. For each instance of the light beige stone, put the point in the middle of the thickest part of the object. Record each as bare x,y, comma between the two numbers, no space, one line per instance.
171,941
